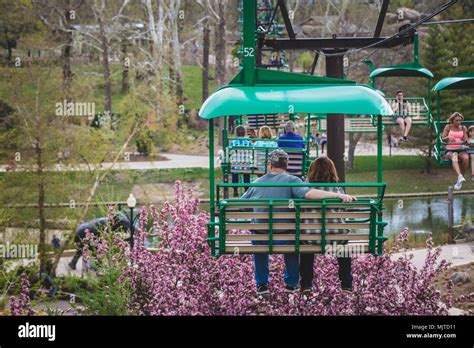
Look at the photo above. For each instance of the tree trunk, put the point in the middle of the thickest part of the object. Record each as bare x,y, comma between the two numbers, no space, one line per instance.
125,67
66,56
156,29
10,52
221,55
205,59
176,51
41,197
105,58
9,45
353,140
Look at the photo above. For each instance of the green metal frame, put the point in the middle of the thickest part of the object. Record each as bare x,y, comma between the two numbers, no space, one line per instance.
290,86
376,225
414,70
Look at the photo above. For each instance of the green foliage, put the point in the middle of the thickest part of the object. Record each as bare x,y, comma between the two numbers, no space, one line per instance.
144,142
16,21
104,294
369,164
10,281
402,3
448,51
192,82
305,60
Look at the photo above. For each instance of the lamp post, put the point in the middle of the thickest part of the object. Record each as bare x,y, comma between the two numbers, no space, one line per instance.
131,203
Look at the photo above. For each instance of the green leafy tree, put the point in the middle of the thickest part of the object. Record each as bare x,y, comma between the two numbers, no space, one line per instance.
16,20
449,51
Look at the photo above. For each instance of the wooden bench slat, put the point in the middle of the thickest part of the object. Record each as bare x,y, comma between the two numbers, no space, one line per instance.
246,248
276,248
248,171
303,215
291,237
291,226
303,206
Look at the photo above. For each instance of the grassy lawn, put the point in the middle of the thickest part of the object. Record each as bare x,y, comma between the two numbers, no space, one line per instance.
192,82
92,75
408,181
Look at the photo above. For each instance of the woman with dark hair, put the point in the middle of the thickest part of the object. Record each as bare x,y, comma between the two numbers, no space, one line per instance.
322,170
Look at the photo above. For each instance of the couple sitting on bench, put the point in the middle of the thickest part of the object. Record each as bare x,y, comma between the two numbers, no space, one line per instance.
321,170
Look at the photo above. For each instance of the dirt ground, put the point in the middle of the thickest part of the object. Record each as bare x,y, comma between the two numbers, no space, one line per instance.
458,289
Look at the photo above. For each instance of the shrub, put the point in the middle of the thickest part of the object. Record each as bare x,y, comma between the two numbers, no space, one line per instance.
181,277
144,143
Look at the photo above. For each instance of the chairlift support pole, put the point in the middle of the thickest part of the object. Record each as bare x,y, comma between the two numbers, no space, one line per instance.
335,123
249,59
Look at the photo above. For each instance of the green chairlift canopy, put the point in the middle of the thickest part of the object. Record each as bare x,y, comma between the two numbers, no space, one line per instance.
462,81
278,92
233,101
403,70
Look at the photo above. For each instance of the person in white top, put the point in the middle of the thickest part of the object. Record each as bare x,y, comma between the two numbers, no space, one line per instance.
402,111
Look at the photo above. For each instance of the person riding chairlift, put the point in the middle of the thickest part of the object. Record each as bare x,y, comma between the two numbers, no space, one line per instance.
402,110
455,134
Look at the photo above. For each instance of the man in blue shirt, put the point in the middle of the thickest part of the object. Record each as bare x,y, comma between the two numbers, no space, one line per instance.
290,134
296,156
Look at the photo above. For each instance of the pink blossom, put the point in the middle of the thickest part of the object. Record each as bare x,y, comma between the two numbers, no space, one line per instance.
182,278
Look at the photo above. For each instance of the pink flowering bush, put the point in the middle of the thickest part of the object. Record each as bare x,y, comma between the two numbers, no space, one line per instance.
21,304
182,278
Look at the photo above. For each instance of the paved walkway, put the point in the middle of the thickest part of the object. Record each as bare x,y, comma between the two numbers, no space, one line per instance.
457,254
174,161
187,161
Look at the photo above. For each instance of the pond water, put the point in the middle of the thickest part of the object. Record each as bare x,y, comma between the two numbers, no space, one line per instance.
425,214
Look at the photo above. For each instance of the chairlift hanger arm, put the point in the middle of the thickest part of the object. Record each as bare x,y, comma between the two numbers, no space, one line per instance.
380,20
339,43
405,36
286,19
315,61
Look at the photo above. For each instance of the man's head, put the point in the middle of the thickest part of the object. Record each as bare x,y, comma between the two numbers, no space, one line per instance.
399,94
278,159
290,127
240,131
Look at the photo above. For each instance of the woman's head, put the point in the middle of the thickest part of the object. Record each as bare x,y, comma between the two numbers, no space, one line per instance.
470,131
456,118
322,169
240,131
265,133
